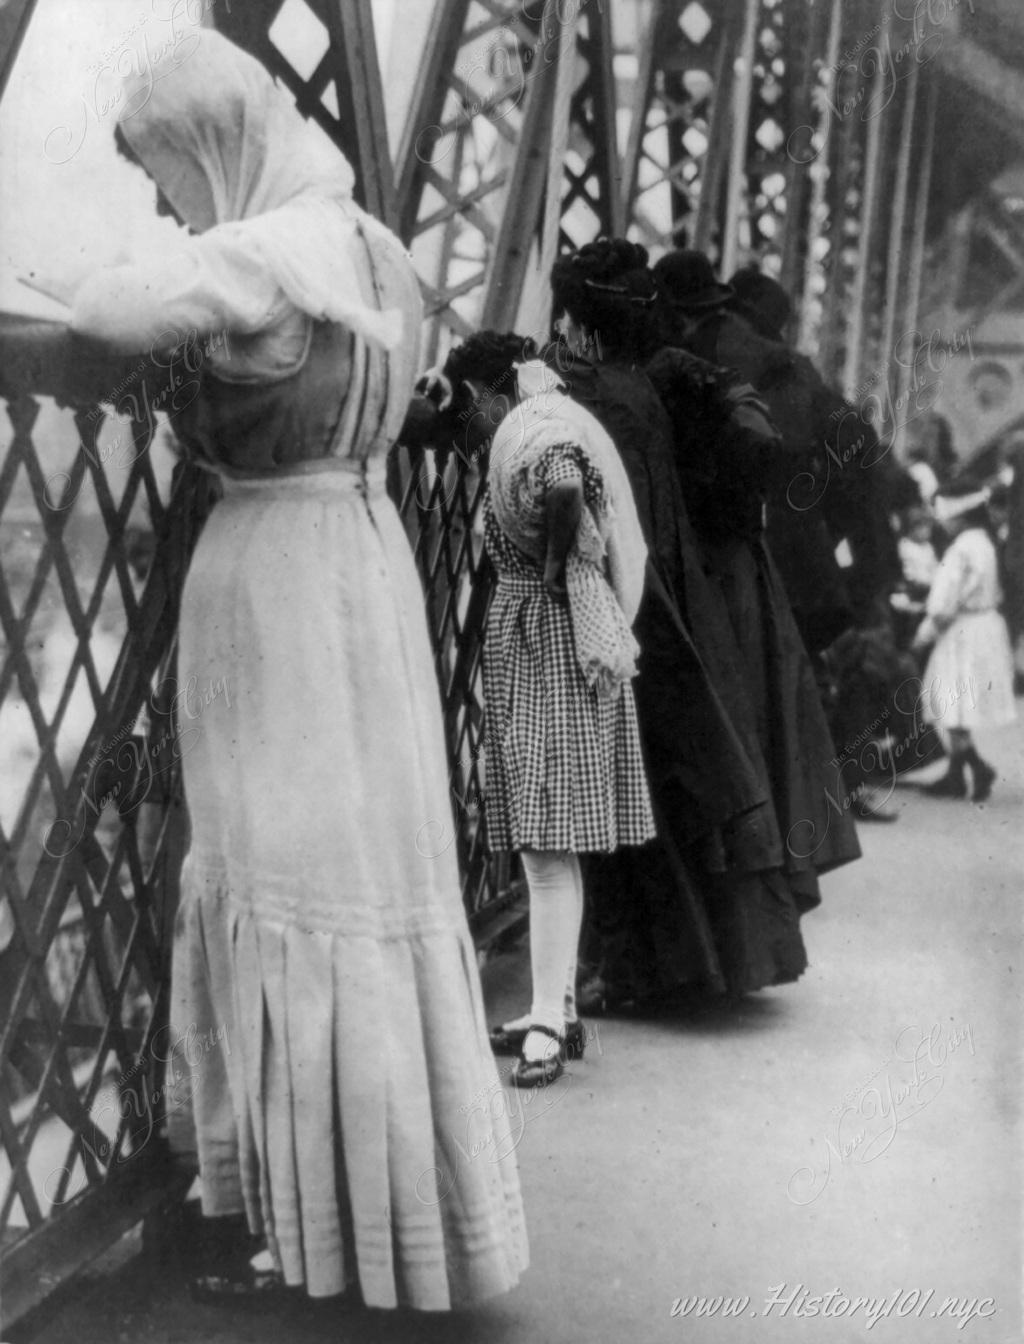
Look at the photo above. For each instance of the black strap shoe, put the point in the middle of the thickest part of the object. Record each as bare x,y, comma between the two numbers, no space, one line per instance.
540,1072
509,1040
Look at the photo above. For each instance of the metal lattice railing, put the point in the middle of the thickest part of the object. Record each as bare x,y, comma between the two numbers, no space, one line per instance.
97,534
439,496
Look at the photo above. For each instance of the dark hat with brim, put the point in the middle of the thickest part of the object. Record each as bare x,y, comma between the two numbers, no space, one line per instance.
762,301
687,281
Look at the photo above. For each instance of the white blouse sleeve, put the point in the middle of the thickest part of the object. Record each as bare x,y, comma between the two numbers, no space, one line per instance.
202,286
948,587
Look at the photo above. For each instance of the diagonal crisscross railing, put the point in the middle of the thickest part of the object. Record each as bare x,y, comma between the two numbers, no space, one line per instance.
439,496
96,540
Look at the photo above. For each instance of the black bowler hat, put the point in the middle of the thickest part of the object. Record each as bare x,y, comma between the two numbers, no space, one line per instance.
687,280
762,300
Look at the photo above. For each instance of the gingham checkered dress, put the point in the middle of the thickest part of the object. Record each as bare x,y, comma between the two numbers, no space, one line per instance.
564,767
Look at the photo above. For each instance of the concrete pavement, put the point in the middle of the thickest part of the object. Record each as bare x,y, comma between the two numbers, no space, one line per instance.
855,1135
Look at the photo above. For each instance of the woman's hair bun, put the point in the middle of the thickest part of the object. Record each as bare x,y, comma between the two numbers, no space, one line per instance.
607,258
608,287
487,357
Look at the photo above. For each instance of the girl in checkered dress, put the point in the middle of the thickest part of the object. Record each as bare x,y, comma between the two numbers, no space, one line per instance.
564,768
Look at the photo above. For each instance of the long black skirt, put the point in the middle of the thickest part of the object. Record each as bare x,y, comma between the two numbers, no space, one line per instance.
719,911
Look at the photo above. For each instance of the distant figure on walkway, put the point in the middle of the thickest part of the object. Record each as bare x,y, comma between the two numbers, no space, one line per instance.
968,682
320,950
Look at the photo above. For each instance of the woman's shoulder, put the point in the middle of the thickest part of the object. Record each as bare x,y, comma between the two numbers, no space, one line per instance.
625,400
674,361
977,541
970,550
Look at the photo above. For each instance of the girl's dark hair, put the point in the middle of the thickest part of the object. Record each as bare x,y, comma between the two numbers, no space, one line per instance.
487,357
608,288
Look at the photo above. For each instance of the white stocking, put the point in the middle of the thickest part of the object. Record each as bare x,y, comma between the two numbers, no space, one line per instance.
556,911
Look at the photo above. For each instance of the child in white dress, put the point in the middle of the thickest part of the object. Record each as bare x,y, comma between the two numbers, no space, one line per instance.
968,682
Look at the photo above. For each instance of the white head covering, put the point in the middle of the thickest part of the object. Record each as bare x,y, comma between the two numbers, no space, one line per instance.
221,138
268,192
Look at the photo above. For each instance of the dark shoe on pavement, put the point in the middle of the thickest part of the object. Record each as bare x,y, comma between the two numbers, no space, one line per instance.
509,1040
540,1072
984,778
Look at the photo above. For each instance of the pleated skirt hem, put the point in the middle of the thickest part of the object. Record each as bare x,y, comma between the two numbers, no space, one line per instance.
317,1084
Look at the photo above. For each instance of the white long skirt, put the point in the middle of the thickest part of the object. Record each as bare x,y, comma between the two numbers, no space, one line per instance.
968,682
334,1070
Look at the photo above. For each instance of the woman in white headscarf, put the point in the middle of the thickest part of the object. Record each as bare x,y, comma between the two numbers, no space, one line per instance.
326,1017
